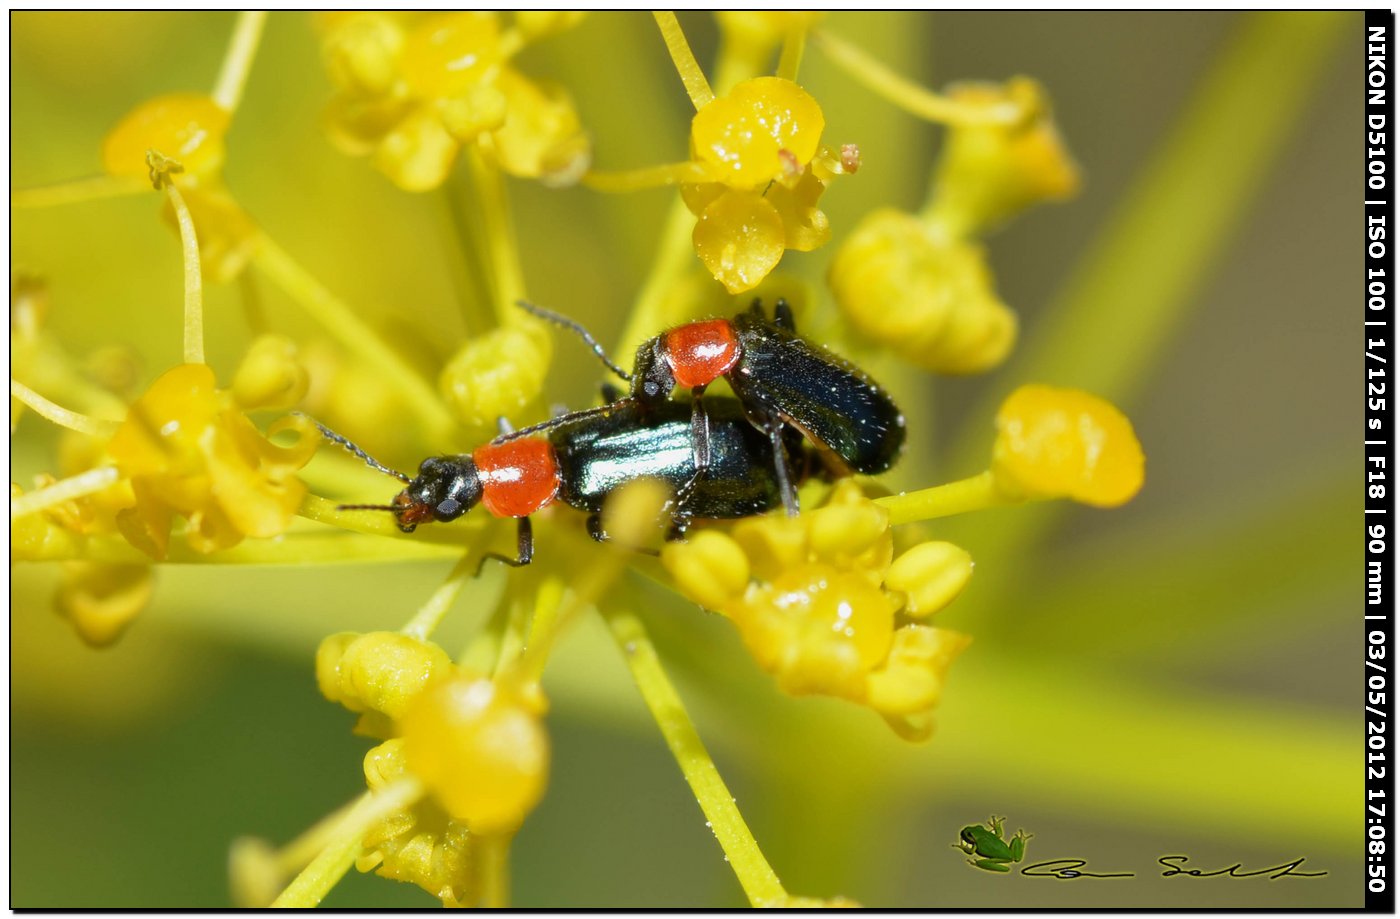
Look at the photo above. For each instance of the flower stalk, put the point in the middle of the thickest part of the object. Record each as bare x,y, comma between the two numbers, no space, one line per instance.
696,86
239,59
756,876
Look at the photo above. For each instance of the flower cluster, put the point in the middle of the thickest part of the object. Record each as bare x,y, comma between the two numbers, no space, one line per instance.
414,89
822,604
760,170
187,452
919,283
476,744
188,129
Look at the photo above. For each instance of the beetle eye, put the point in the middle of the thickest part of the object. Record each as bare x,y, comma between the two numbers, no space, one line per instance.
651,388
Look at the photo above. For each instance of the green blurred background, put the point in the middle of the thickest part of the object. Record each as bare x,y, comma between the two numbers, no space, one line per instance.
1179,676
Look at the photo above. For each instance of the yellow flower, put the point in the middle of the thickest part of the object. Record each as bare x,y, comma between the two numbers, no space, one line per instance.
270,376
477,745
1054,443
755,33
826,611
187,452
188,127
496,375
421,844
101,599
480,748
758,149
988,171
763,130
414,89
377,674
930,298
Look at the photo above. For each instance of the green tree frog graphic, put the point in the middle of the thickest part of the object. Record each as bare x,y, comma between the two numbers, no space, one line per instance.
988,848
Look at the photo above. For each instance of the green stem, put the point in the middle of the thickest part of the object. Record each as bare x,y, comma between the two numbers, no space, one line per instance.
673,256
50,411
78,191
757,877
84,483
239,60
497,236
696,86
194,282
311,886
426,621
971,494
493,864
790,59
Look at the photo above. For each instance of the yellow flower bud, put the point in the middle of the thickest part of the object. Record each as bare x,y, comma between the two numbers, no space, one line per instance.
358,124
925,296
496,375
709,568
773,544
632,515
988,172
910,685
762,130
445,54
417,153
101,599
931,575
378,671
740,238
254,875
480,108
817,630
480,749
764,29
188,127
1054,443
841,533
804,226
538,24
270,375
420,845
362,52
542,136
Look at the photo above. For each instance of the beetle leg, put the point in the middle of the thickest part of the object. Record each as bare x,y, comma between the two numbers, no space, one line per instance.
781,467
680,524
700,444
782,316
524,547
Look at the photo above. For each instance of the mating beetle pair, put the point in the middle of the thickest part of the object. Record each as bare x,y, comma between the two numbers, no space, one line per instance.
723,458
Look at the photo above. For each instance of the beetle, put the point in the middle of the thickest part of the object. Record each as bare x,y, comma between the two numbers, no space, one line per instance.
780,379
583,460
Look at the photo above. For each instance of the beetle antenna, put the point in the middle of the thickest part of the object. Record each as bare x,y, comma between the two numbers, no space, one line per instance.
365,507
561,419
577,329
345,442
